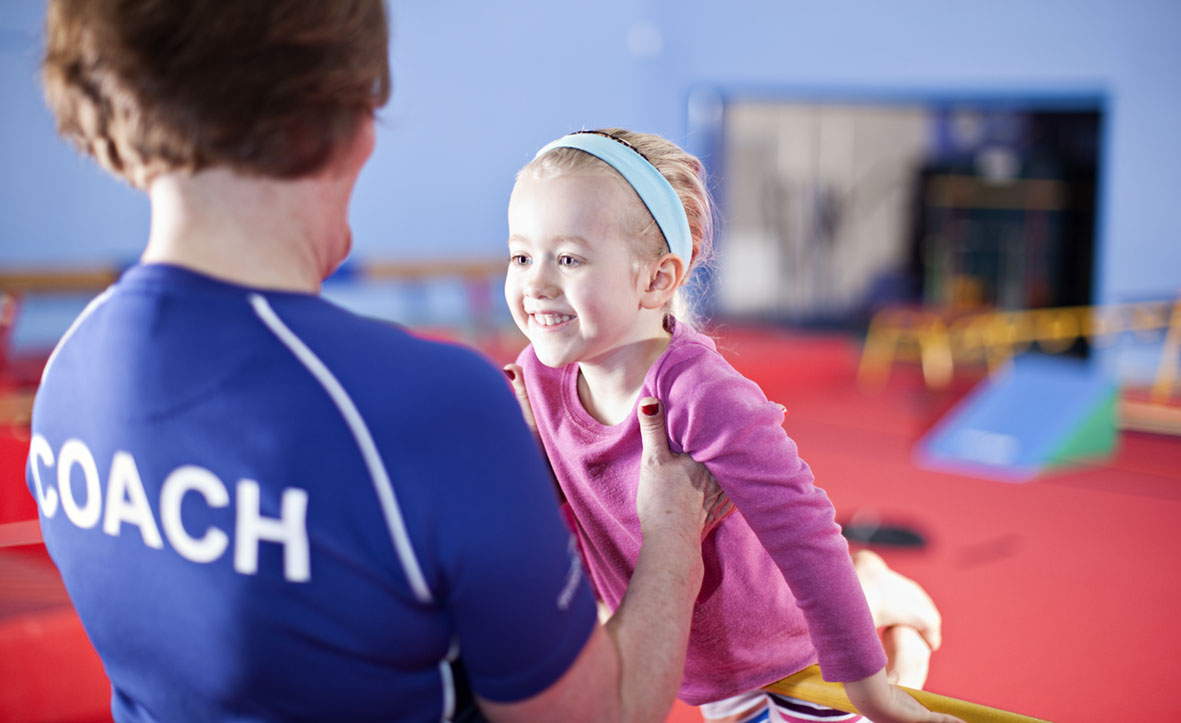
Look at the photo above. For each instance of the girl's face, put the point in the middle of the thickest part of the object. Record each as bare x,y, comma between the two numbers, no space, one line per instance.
574,282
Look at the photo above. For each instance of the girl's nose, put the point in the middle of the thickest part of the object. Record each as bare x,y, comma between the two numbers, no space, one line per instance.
539,284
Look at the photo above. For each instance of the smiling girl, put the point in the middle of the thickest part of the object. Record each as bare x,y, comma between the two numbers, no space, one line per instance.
604,227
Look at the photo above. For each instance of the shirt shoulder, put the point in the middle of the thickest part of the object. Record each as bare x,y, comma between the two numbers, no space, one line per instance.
709,404
692,370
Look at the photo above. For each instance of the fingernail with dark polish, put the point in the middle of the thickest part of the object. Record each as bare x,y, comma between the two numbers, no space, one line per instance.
649,409
510,374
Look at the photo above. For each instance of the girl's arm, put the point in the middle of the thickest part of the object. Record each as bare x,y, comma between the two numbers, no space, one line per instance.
725,421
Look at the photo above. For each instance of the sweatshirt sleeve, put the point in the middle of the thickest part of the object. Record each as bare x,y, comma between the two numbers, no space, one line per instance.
724,421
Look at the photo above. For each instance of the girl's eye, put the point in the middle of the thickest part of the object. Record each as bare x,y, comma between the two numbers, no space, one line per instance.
567,261
518,260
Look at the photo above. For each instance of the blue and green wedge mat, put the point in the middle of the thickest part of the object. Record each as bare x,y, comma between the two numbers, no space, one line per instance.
1037,415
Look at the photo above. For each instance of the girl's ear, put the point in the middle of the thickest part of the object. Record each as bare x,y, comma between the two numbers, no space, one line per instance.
664,277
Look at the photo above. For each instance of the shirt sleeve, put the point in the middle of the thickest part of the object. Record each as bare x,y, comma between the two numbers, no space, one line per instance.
522,607
726,422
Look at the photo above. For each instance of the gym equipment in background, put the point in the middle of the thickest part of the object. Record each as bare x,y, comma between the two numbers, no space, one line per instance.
1037,414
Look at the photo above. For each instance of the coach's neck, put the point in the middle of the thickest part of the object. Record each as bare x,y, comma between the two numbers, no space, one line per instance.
285,234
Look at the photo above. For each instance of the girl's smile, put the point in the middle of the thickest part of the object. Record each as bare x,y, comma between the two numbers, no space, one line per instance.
550,322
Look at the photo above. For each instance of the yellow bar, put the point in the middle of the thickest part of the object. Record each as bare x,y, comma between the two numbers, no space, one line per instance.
432,269
945,339
47,280
1166,370
810,686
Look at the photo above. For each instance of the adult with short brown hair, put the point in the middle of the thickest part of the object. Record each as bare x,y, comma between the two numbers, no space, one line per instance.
262,88
263,506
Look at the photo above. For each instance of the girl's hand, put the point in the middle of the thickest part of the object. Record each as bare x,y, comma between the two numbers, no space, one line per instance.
884,703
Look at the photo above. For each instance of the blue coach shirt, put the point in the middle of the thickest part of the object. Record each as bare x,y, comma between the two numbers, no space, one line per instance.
266,507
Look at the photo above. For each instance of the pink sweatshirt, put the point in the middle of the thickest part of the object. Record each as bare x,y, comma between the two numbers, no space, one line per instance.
749,627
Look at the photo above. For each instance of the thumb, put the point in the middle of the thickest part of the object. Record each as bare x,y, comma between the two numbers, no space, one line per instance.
652,431
933,636
516,377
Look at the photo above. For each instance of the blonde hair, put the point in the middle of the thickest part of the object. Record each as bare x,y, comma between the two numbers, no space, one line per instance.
684,171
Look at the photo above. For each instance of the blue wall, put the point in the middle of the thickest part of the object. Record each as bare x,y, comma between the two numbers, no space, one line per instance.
479,86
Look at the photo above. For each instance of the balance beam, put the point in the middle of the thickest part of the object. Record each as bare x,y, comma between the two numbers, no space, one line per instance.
810,686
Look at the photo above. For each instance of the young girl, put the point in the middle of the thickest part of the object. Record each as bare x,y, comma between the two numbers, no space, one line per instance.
604,227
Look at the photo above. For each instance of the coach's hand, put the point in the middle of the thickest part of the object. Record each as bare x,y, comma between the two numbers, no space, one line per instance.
673,489
516,378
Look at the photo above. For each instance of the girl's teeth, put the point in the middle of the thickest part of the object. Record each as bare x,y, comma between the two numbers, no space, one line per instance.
551,319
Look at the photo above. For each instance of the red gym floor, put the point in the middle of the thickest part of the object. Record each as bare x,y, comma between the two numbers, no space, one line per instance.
1059,596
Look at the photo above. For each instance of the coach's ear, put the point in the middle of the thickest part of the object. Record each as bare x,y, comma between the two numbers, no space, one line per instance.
661,280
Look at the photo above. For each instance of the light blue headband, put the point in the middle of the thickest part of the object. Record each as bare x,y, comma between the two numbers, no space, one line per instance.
653,188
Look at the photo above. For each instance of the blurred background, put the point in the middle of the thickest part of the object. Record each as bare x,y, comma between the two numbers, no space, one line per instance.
903,186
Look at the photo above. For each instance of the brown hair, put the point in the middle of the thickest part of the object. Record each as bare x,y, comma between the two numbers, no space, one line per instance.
264,87
684,171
